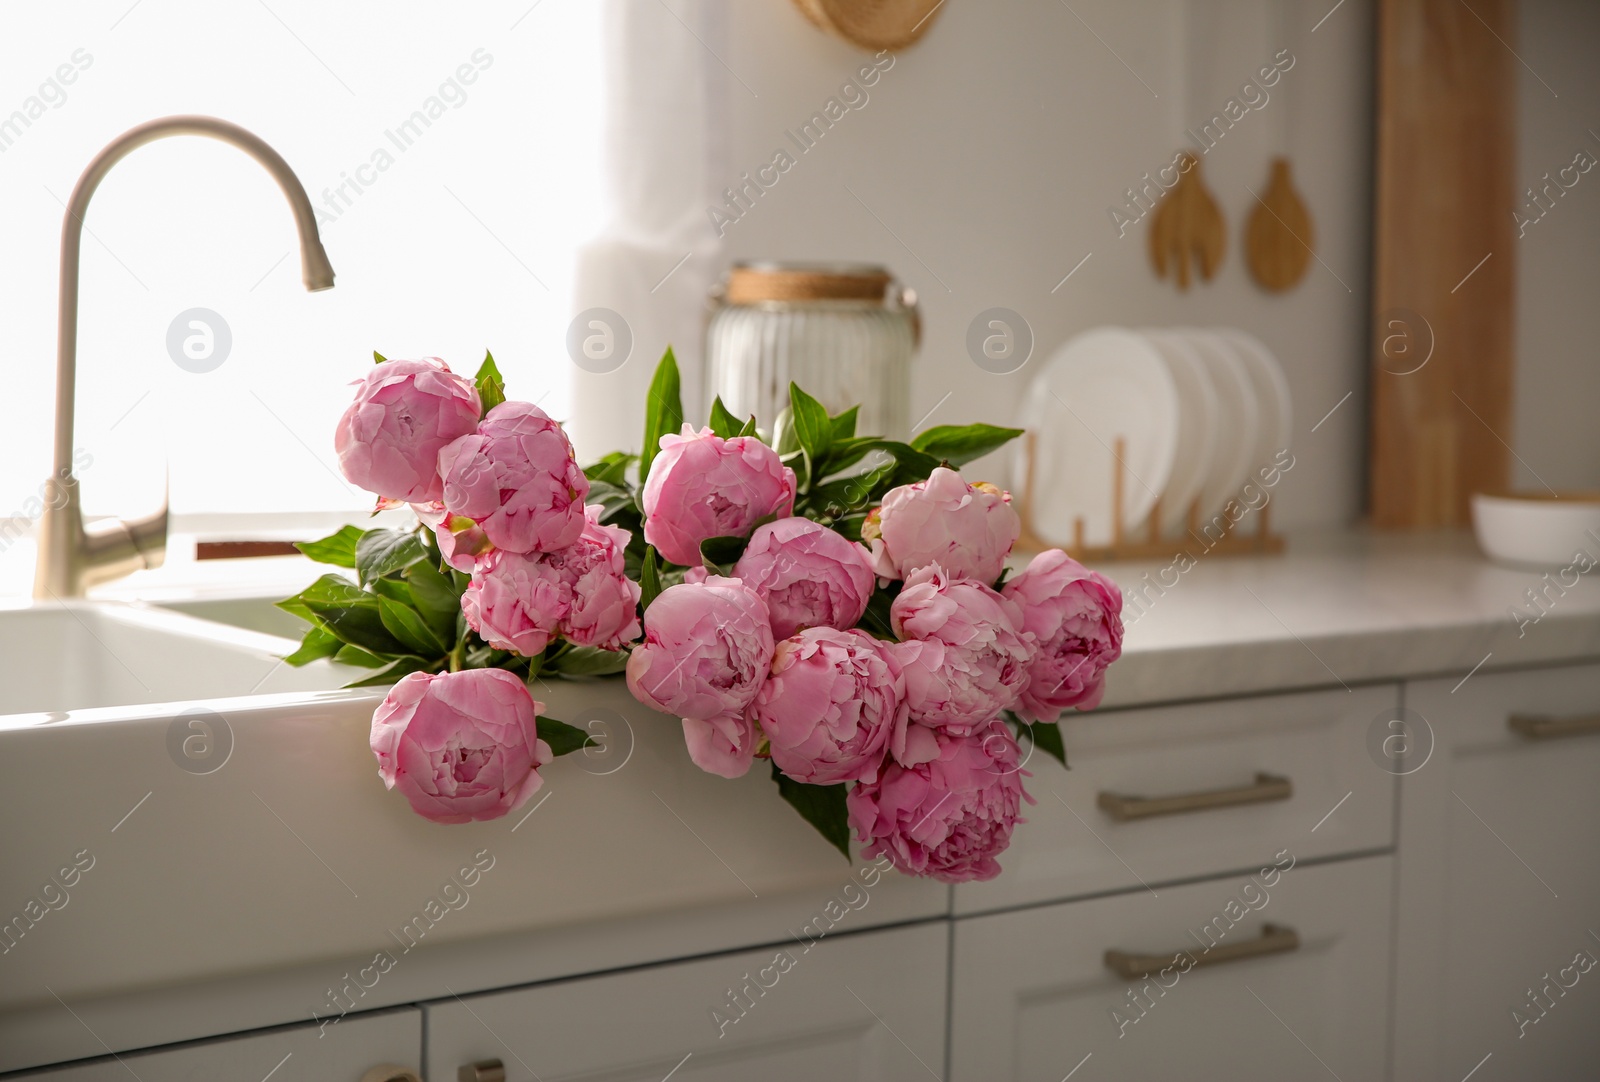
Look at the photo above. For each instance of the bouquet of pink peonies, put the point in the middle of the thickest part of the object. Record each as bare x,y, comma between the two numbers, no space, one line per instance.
857,629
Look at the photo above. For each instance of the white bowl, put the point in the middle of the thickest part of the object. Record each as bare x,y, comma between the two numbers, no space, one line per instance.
1537,529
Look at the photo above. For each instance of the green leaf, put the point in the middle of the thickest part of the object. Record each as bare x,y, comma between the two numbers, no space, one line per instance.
722,422
337,548
749,428
722,552
295,607
491,387
822,806
844,453
589,661
407,625
347,612
403,666
435,598
911,463
663,410
563,739
811,425
960,444
784,438
382,552
846,493
316,645
844,424
395,590
378,358
354,655
649,578
1046,737
612,469
613,498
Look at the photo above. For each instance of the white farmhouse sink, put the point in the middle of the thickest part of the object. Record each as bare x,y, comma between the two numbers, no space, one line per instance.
77,655
246,855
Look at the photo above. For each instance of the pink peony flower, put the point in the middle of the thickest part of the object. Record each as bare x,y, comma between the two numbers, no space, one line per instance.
966,656
1075,617
831,704
516,602
701,486
965,529
605,602
519,602
461,746
724,745
707,648
404,414
516,477
461,541
809,575
949,817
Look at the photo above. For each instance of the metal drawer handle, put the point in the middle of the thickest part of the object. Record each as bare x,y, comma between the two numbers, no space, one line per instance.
1537,728
485,1070
1274,939
1267,787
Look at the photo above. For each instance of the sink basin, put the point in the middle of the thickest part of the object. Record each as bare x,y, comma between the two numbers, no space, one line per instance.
252,613
81,655
240,852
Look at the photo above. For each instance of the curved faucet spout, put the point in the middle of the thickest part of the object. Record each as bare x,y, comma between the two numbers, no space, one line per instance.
72,557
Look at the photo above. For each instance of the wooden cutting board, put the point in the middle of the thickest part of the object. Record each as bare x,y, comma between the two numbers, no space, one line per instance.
1444,259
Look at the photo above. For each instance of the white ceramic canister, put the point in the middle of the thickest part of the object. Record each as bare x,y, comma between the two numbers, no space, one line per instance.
844,332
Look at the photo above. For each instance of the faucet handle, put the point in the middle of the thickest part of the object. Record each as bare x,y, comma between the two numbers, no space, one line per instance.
116,547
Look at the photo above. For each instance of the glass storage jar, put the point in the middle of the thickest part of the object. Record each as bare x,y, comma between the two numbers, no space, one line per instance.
844,332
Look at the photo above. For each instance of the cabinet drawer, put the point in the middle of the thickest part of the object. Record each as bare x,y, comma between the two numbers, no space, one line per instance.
852,1006
1035,1000
341,1053
1072,846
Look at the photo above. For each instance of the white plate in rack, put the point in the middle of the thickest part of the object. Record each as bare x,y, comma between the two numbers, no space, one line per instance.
1272,395
1238,423
1105,383
1198,413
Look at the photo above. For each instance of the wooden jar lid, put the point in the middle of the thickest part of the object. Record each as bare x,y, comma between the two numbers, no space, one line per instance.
755,283
872,24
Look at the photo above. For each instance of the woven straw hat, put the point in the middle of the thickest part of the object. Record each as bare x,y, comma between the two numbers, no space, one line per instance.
873,24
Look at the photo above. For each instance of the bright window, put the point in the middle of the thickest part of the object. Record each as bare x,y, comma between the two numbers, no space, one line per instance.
453,153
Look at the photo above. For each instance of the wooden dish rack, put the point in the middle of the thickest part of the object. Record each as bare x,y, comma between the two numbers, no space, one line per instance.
1150,544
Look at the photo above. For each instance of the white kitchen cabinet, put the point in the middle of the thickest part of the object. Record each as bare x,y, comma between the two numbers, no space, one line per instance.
300,1053
864,1006
1500,880
1287,761
1034,998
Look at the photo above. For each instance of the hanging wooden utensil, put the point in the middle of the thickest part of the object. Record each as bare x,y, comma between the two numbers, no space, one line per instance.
1187,225
873,24
1279,237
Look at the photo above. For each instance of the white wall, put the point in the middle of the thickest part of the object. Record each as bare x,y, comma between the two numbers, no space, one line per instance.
994,147
1558,260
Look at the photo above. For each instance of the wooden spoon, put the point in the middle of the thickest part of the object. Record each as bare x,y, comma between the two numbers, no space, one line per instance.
1187,224
1279,237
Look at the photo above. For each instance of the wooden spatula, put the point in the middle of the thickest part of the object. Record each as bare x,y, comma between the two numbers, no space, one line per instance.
1279,237
1187,225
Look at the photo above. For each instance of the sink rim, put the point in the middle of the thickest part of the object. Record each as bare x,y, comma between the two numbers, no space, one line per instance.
155,618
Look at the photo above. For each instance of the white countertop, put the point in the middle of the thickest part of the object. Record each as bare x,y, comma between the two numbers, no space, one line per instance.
1338,608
